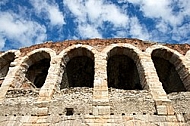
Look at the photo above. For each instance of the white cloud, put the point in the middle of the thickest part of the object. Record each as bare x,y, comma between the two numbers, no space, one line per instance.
48,11
167,20
161,9
22,32
56,16
181,32
120,34
156,9
77,8
169,17
91,14
87,31
97,19
184,6
162,26
10,25
97,10
137,30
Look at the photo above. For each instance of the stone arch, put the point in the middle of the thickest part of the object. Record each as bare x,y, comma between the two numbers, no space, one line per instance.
35,66
5,61
170,67
78,66
126,59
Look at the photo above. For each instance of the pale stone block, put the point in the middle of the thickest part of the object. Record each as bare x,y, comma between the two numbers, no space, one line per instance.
43,93
25,119
170,109
41,120
32,119
90,120
41,111
41,98
41,104
103,110
95,110
161,109
100,98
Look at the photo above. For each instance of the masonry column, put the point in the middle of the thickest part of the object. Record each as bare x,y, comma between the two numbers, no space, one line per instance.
100,94
53,80
51,84
9,80
163,104
10,77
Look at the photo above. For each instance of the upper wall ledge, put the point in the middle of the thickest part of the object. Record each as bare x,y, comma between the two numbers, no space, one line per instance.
100,44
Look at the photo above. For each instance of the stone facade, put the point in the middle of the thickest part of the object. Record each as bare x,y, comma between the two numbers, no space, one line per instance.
97,82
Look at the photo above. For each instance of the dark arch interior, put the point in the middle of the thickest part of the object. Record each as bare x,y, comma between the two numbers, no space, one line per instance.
122,73
168,75
38,71
79,72
5,62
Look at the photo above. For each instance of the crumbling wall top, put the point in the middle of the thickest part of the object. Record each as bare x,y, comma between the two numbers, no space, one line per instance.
99,44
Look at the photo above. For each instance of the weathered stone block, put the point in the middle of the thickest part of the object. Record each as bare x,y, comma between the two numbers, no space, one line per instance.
41,111
161,109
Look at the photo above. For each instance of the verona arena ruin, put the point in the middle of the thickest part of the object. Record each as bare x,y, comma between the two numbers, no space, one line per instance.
97,82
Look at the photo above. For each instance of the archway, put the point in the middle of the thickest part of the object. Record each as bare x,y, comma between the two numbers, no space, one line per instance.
5,61
166,71
122,71
39,64
79,70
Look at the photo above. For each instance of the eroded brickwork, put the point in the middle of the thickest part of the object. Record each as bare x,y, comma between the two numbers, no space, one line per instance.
112,82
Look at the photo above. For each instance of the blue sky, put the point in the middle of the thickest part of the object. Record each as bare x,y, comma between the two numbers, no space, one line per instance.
27,22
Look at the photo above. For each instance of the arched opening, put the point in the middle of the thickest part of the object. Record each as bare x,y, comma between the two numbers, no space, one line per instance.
38,70
166,71
79,70
122,71
5,62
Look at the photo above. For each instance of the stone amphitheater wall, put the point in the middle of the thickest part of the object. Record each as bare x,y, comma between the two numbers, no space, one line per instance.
34,93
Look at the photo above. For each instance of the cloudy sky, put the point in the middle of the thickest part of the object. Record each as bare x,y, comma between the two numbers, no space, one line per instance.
27,22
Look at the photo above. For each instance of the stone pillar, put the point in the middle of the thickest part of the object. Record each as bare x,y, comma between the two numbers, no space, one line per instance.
10,77
53,80
163,104
100,93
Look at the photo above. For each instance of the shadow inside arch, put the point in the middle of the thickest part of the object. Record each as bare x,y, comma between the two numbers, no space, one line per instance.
167,73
